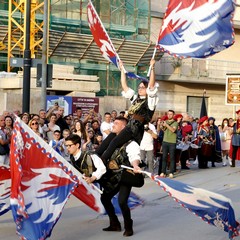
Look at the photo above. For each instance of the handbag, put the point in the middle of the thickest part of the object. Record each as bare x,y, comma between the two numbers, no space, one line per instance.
4,149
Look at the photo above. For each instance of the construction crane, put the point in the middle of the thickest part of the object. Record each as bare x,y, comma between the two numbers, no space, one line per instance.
16,28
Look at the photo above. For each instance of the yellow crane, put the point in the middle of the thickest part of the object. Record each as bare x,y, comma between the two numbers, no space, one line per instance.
16,28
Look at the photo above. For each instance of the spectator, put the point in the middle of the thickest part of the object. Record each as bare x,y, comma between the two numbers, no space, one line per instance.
215,138
169,143
56,143
235,138
9,126
79,129
106,126
65,153
25,118
34,125
4,142
147,145
225,138
60,121
50,127
113,115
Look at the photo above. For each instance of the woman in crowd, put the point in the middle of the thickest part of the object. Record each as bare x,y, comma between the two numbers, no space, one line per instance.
225,138
25,117
80,130
34,125
50,127
9,125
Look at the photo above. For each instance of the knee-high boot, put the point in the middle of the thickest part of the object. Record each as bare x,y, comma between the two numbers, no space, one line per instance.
128,225
115,225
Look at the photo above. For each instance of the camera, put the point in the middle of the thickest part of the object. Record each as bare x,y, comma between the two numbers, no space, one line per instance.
146,128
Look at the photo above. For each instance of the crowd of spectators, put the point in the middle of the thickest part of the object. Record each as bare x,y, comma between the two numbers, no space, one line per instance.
172,139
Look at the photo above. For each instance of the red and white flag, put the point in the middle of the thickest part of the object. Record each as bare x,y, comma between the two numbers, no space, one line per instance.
5,187
42,182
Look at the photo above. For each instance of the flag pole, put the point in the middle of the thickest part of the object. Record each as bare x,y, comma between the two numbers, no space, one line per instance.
140,171
153,56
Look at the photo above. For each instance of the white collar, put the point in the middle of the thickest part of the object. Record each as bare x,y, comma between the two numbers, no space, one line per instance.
77,156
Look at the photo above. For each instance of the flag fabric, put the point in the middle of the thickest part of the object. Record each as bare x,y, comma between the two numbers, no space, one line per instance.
5,188
211,207
197,28
203,110
42,182
103,41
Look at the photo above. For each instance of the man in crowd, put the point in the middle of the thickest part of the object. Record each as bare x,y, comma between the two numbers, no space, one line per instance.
147,145
106,125
169,143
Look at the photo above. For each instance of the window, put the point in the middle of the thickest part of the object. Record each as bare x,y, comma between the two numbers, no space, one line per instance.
194,105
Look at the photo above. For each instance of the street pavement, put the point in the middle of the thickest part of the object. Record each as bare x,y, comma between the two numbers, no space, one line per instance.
159,218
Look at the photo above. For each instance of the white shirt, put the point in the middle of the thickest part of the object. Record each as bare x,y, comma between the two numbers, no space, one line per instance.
133,151
151,94
97,161
105,126
147,140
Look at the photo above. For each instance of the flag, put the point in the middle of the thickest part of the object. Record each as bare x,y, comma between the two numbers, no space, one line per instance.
5,186
203,111
211,207
197,28
103,41
42,182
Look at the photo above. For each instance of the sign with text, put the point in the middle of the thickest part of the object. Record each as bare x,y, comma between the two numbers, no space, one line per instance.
85,103
232,96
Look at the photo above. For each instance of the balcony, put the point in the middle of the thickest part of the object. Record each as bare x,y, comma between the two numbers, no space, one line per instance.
195,70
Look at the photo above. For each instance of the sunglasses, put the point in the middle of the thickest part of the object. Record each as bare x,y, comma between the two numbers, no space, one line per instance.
35,123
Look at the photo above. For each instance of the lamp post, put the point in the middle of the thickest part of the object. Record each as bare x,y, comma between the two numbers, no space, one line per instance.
27,61
44,56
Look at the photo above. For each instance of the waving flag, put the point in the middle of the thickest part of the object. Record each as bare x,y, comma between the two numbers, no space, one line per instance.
211,207
197,28
42,182
5,186
103,41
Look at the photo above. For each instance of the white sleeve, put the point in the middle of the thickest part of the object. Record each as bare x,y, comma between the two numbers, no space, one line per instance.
133,151
129,94
153,128
100,167
152,97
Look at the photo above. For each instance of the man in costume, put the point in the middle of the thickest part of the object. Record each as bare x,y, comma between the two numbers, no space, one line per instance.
122,181
90,165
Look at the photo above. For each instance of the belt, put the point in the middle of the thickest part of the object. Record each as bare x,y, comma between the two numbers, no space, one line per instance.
138,117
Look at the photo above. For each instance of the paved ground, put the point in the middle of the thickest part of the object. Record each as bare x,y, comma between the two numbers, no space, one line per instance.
160,217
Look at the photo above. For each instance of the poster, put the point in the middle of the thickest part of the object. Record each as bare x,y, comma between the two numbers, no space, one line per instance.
232,90
85,103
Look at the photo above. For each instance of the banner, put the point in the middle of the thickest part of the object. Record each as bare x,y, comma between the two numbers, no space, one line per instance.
197,29
42,182
5,187
104,42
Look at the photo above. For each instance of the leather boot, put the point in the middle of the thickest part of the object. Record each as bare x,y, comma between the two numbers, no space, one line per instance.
128,228
115,225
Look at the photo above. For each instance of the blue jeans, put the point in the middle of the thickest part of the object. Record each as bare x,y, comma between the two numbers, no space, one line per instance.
168,148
